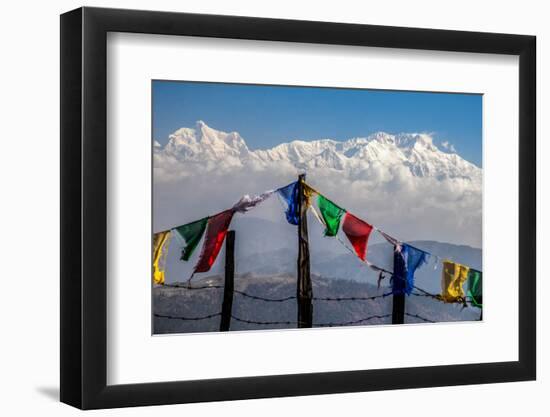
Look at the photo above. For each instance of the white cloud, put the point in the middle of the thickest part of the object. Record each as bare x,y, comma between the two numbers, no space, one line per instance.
448,146
411,208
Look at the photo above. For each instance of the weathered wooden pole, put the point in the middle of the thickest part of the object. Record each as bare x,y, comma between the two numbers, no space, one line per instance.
304,288
228,286
398,313
398,316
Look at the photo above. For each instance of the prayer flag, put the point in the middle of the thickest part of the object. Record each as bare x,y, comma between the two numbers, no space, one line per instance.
332,214
406,262
308,193
289,197
452,281
215,235
247,202
475,287
358,233
161,241
191,233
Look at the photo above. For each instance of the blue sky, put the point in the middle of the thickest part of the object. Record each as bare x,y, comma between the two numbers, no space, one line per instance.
268,115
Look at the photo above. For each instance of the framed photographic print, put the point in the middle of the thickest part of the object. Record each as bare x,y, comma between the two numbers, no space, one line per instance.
257,208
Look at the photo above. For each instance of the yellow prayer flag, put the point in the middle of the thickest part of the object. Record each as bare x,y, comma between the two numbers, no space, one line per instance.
308,193
161,241
452,281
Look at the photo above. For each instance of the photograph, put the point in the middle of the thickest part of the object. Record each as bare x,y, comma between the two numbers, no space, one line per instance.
285,207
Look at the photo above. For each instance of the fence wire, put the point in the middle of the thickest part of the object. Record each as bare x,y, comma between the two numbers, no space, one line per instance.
419,293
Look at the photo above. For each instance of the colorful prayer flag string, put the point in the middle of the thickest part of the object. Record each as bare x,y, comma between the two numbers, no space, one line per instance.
192,233
407,258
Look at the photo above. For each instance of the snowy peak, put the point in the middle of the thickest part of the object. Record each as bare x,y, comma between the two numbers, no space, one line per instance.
207,135
296,152
328,158
417,141
415,152
203,142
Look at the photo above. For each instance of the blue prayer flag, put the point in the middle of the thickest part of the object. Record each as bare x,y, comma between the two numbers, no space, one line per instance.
405,263
289,197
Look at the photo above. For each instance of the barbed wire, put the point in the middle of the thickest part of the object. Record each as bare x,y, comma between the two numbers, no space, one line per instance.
264,323
168,316
422,293
293,297
348,323
374,297
188,287
279,300
461,301
257,297
420,317
329,324
274,323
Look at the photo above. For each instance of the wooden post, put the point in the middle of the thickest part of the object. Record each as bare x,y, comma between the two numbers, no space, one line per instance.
398,313
229,281
304,287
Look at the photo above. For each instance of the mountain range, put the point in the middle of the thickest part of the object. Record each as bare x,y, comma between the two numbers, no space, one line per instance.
208,148
402,182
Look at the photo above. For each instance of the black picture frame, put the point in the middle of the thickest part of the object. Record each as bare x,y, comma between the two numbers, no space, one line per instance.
84,207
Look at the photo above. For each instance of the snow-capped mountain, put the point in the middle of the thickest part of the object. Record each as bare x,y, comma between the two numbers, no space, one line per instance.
205,148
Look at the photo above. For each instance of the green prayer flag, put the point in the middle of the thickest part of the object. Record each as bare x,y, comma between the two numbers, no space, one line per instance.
192,234
331,215
475,287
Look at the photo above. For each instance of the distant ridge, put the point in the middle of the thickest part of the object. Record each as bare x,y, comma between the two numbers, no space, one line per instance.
415,152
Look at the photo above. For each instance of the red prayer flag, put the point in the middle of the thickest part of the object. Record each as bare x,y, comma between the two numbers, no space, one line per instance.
358,233
215,235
